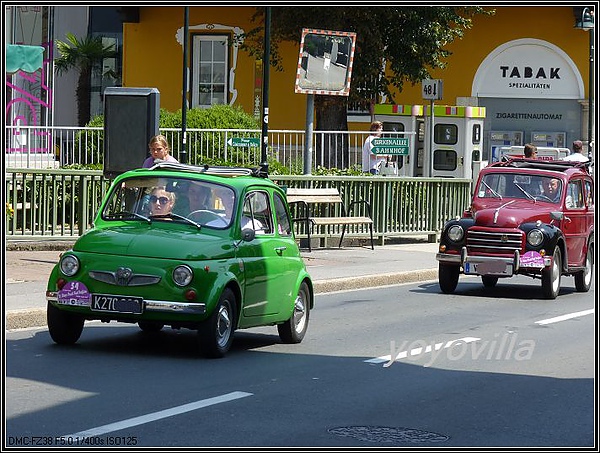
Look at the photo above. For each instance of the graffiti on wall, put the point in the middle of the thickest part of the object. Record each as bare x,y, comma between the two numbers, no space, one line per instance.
29,104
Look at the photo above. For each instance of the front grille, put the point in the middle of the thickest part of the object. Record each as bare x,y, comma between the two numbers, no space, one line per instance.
494,242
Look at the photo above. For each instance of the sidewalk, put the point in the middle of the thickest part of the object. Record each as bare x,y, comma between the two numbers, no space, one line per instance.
332,269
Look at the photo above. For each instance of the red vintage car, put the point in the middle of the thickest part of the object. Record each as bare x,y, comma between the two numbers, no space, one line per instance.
527,217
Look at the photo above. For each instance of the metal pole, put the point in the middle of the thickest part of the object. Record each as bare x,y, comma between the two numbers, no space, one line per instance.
431,140
186,26
265,100
308,136
591,109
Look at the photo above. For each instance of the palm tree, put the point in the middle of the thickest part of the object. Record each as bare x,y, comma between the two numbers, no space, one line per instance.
84,55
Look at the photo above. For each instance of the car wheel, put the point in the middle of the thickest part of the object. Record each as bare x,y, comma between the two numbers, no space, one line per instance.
294,329
489,281
583,279
448,277
215,335
551,276
150,326
64,327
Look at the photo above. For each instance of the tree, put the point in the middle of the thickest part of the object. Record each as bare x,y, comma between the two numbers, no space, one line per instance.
84,55
394,45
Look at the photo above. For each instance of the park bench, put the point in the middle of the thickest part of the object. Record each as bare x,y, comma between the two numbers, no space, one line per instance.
316,207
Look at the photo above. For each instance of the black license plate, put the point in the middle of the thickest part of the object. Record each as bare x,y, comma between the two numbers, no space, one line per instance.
117,304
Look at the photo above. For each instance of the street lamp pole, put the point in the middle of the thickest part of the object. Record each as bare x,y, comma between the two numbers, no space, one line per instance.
591,138
587,23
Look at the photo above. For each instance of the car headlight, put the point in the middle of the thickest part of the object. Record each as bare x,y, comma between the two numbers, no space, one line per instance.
456,233
69,265
182,275
535,237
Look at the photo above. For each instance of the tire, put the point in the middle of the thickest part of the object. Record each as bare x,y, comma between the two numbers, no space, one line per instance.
150,326
448,277
551,276
293,330
489,281
64,327
215,335
583,279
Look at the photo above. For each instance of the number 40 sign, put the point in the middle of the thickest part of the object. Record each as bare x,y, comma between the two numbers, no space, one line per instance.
432,89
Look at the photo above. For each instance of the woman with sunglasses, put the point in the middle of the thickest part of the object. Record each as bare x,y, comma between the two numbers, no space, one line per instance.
161,202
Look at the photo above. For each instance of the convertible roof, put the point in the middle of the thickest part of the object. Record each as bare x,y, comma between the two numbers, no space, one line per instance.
211,170
555,165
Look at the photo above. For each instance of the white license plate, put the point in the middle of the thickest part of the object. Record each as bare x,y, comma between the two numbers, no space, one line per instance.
488,268
117,304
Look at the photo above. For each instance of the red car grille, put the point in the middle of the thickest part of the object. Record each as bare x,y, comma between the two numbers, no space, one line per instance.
494,243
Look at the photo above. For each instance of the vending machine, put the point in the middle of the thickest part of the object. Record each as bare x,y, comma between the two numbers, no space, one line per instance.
549,139
404,121
457,140
502,139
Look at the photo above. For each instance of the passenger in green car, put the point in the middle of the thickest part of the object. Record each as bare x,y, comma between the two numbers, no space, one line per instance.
161,202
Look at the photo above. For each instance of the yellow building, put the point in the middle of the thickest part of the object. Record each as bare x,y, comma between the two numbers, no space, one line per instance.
528,66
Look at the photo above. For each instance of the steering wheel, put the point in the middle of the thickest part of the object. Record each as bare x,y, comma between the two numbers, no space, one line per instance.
544,197
213,215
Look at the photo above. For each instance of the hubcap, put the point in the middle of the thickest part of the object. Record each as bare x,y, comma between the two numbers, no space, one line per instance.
223,326
299,313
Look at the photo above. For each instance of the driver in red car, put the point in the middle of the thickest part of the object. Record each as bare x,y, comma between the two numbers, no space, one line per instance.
552,189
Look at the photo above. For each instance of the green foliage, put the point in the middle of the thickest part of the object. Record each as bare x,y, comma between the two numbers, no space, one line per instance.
354,170
215,117
85,55
81,53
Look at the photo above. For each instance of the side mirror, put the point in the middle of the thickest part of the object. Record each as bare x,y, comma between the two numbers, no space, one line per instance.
248,234
556,215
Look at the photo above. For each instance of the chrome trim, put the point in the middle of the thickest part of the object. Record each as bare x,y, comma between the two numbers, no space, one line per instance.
192,308
487,259
124,278
447,258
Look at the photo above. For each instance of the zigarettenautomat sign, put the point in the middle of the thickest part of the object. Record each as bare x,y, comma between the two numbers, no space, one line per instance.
528,68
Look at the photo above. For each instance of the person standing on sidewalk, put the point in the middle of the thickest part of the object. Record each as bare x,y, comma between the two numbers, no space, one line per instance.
577,154
159,151
371,161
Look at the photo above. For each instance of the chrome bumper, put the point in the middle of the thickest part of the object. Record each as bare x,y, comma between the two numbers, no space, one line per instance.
165,306
492,265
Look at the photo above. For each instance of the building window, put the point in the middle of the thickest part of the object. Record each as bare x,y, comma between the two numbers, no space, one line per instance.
210,66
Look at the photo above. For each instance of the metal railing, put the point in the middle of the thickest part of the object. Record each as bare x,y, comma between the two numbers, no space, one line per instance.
53,147
62,204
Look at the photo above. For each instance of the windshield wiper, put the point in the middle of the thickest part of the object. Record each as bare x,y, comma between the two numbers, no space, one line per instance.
531,197
185,219
130,214
496,194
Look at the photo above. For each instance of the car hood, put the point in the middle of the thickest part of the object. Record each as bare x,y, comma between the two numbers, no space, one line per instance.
185,244
511,213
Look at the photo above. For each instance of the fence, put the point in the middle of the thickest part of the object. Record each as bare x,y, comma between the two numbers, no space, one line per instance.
52,147
62,204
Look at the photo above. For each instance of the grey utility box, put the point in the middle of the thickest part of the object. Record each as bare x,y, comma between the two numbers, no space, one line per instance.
130,120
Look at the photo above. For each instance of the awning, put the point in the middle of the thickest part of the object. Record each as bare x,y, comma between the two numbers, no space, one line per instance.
24,58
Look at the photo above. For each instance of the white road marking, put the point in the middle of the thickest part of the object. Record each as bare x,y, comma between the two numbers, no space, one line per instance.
135,421
419,351
578,314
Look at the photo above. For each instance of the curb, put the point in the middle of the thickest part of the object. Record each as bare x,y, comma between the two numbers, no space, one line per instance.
36,317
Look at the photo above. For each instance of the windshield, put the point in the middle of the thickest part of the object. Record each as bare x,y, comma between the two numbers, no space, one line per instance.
511,185
152,198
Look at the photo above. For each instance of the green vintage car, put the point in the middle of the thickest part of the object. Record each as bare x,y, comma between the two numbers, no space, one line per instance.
205,248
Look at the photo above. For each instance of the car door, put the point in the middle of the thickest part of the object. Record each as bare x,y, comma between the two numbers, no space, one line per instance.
268,282
575,222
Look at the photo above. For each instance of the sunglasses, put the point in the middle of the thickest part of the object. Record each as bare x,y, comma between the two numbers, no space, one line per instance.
161,200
